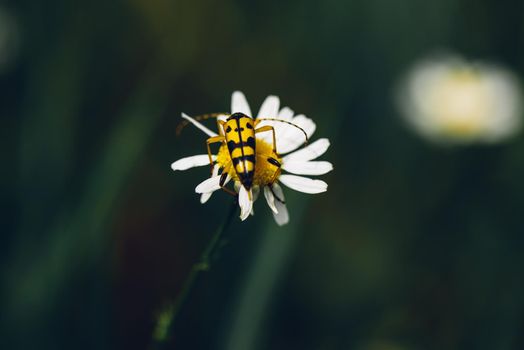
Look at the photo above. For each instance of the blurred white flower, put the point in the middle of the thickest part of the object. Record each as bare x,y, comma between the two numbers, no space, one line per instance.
266,174
450,100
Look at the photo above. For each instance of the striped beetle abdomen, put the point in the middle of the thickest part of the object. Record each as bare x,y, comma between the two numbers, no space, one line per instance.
241,144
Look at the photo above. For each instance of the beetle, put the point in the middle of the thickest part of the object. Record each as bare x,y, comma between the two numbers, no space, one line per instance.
237,133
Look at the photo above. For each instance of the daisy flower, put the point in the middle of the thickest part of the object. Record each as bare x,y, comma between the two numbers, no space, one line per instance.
289,133
448,99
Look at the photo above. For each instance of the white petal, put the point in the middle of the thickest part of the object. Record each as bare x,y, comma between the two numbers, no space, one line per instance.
209,185
245,202
307,168
312,151
222,117
199,125
286,114
270,199
291,137
239,104
205,196
191,162
282,217
303,184
269,108
305,123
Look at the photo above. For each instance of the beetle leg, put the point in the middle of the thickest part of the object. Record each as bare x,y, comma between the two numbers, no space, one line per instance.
274,195
223,178
214,139
276,163
269,128
221,126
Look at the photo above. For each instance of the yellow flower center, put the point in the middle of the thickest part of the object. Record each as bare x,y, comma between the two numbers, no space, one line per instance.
265,172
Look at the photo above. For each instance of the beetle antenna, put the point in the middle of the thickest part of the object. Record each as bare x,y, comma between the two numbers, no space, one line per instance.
286,122
184,122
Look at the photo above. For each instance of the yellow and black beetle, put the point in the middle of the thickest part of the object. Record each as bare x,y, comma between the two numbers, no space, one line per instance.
237,134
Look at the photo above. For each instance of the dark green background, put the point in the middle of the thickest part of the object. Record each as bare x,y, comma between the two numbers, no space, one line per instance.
412,247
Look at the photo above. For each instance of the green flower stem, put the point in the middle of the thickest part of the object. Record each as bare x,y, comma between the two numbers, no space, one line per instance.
165,324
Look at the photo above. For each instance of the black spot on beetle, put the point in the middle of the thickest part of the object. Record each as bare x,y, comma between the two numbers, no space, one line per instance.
231,145
248,158
251,142
274,162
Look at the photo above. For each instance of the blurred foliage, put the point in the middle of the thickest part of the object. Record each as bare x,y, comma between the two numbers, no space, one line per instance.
412,247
